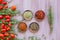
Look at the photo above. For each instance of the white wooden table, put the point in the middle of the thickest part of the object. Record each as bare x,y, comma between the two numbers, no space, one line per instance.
35,5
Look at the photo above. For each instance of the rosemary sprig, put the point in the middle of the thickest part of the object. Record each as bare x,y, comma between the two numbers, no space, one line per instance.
50,19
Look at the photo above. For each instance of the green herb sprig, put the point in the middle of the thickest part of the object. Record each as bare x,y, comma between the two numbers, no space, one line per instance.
50,19
8,11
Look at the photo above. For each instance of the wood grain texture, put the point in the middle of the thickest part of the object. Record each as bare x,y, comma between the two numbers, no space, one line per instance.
35,5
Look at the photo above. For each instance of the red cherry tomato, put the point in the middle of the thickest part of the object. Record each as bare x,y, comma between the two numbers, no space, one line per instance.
12,35
9,24
7,17
0,1
1,16
5,7
13,8
1,35
8,28
1,7
3,30
3,26
4,3
3,21
6,34
7,20
7,38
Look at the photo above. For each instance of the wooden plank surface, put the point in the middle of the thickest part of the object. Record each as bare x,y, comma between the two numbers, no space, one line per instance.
35,5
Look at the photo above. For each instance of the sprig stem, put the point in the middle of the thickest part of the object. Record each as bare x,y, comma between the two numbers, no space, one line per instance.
50,19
